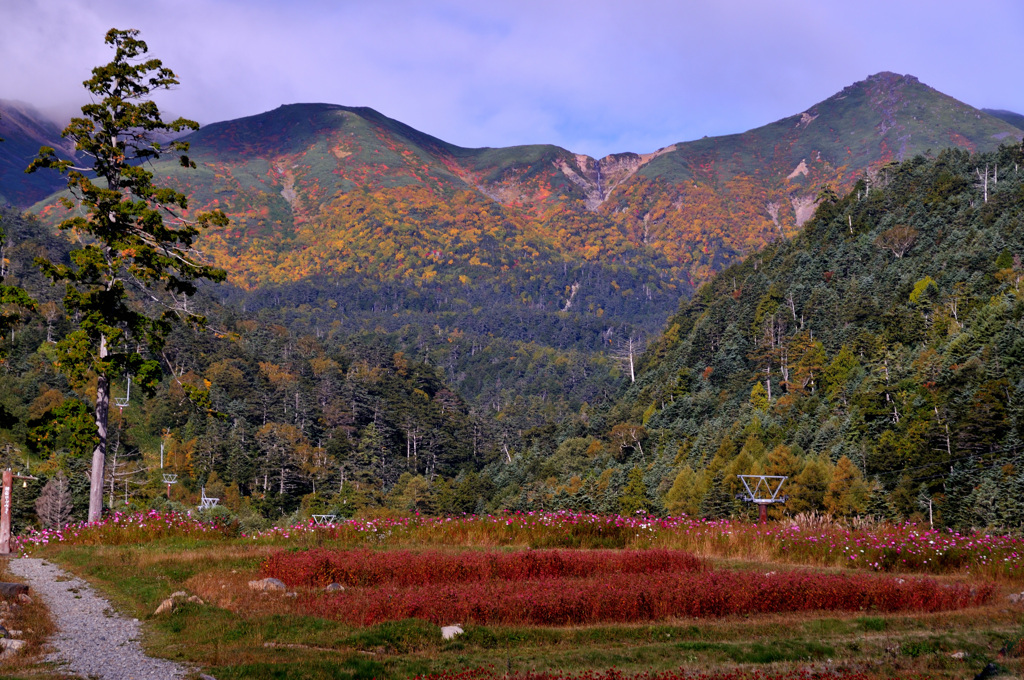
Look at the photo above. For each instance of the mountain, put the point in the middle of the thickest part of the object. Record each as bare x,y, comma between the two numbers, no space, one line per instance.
877,359
24,130
401,308
521,270
1015,119
291,176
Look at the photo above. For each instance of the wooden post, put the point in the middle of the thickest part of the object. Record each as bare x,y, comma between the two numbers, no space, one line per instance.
762,513
5,513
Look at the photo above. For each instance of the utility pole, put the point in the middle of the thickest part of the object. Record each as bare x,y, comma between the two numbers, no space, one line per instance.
5,509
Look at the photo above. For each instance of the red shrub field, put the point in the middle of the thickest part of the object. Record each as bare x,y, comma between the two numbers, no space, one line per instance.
586,587
615,674
407,568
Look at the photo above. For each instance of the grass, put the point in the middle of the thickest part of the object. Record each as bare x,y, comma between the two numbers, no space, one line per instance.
242,634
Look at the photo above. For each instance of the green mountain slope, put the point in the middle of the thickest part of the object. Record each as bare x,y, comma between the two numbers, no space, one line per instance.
887,117
877,359
1015,119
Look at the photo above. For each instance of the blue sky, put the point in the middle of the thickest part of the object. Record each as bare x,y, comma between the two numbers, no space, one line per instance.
594,76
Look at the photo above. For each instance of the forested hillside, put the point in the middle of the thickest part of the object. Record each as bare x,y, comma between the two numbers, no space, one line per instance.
877,359
412,324
267,418
522,272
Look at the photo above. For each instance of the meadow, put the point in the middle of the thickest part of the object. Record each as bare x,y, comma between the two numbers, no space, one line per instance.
560,596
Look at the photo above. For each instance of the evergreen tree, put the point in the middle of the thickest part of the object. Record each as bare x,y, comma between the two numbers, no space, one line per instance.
130,251
878,505
634,496
847,494
807,491
685,495
957,510
717,503
986,498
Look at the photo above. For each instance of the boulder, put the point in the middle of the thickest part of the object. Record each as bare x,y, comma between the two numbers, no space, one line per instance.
195,599
268,584
335,588
13,589
448,632
9,648
165,607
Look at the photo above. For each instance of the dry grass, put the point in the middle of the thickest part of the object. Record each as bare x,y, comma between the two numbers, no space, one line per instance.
36,626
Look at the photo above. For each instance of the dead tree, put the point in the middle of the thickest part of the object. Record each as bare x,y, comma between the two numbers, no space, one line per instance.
897,240
629,349
54,504
983,182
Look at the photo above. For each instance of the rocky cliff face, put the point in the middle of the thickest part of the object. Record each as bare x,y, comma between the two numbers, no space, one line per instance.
599,177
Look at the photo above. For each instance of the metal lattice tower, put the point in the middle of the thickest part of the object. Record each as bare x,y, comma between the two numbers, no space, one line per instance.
206,502
762,490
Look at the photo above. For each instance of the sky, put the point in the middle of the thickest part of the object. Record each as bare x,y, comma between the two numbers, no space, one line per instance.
593,76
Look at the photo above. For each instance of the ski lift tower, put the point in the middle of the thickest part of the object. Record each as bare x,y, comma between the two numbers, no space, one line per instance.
121,402
762,490
168,480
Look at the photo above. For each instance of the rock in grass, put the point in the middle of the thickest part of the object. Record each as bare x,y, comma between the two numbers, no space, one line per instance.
989,671
448,632
334,588
12,589
9,648
267,584
165,606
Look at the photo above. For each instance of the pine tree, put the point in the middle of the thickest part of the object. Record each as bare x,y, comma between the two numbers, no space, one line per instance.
130,252
878,505
847,494
807,491
717,502
634,496
957,510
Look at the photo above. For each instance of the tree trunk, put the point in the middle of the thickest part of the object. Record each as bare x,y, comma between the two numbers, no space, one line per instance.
100,452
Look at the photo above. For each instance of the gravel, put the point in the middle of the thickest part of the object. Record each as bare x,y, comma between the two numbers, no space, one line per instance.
92,639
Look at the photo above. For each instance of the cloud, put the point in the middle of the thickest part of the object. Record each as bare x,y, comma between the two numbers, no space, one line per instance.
596,76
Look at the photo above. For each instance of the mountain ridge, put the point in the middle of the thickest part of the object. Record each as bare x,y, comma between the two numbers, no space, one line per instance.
24,129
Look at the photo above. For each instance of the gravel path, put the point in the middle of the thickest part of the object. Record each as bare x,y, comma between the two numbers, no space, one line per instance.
92,639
